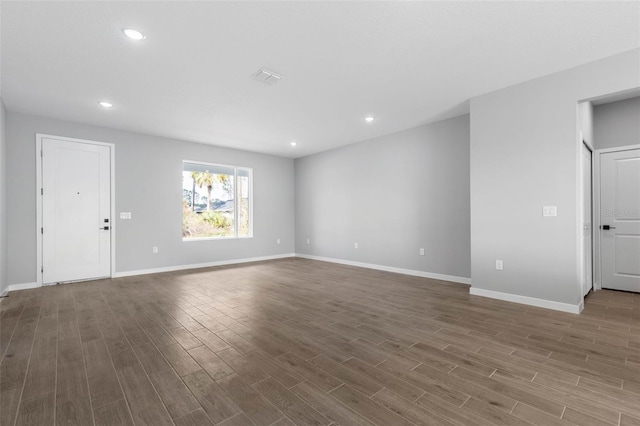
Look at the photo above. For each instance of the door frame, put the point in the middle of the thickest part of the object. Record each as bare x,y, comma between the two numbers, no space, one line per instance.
39,210
581,221
597,257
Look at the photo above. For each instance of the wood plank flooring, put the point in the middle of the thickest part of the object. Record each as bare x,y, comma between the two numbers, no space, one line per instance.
301,342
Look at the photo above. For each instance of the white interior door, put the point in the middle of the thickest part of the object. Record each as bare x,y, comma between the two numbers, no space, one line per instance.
76,211
587,273
620,220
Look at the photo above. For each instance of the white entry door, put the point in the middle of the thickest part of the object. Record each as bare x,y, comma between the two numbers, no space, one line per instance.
620,219
587,273
76,211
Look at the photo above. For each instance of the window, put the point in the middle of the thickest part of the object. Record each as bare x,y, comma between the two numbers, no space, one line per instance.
209,195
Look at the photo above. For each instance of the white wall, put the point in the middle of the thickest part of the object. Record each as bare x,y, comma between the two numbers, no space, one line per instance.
148,183
617,123
525,155
3,200
392,195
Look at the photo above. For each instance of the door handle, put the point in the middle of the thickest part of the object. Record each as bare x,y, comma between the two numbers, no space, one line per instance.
607,227
106,228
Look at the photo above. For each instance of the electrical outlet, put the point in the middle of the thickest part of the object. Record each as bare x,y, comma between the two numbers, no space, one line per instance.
155,249
499,265
421,252
355,245
278,241
308,241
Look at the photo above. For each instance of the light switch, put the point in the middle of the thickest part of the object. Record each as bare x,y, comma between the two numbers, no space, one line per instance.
125,215
548,211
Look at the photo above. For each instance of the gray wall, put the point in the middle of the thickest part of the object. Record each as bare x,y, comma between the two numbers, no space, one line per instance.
524,155
148,183
617,123
3,200
391,195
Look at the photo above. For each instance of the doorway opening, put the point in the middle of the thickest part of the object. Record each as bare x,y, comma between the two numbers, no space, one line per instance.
616,190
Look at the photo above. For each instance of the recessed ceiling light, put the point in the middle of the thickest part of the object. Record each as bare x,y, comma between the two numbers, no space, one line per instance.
105,104
133,34
293,143
369,118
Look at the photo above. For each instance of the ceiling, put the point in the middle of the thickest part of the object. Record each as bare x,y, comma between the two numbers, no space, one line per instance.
406,63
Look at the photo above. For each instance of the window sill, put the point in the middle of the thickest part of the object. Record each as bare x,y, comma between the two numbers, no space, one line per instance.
215,238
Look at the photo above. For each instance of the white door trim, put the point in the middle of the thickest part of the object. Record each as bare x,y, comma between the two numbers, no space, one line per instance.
597,258
584,123
582,252
112,156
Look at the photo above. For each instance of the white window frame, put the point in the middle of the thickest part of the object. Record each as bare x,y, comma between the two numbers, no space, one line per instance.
236,204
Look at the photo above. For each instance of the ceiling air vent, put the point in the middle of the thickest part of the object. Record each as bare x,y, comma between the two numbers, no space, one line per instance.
266,76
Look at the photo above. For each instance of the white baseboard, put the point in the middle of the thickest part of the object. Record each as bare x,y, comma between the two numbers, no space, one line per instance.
24,286
452,278
200,265
532,301
525,300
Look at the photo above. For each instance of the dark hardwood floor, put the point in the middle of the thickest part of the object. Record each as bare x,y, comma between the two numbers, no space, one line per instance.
301,342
